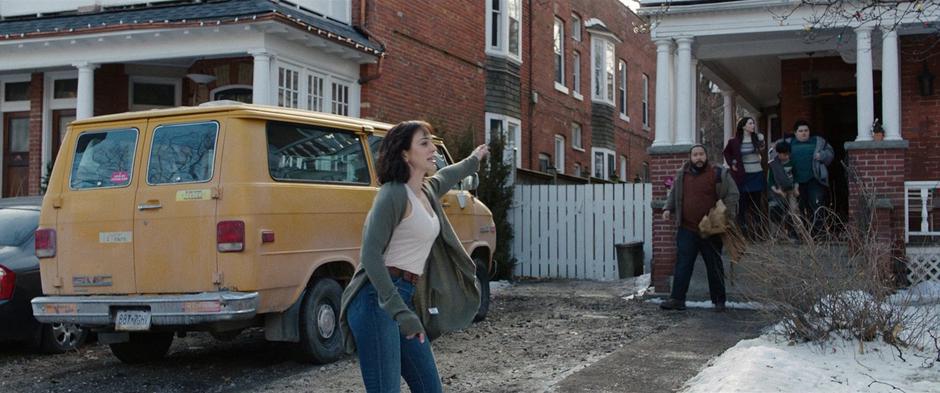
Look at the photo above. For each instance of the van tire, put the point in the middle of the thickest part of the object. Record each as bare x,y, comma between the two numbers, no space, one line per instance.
483,276
321,340
143,347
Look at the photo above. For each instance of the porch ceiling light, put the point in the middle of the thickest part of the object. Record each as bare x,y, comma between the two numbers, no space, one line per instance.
925,82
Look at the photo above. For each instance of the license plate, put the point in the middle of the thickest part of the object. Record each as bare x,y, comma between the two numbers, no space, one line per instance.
132,320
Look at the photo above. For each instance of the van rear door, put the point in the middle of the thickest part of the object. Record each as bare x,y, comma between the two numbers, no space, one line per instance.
175,209
94,225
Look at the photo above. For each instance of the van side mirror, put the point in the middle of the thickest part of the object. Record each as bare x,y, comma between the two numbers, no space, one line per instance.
470,183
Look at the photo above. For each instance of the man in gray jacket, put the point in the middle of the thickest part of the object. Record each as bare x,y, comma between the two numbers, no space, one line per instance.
697,188
811,156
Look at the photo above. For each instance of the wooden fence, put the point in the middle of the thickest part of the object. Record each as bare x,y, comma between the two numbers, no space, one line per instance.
570,231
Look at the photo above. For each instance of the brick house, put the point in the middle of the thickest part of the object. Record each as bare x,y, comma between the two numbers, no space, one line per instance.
465,66
840,77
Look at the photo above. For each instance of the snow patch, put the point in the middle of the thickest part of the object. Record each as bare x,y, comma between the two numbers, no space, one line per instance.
708,304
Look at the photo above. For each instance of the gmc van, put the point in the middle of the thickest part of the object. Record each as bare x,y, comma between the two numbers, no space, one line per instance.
217,218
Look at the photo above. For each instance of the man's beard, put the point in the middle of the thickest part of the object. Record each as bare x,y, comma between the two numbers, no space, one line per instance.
700,164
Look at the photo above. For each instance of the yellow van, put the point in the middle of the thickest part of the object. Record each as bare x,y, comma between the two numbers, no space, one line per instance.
217,218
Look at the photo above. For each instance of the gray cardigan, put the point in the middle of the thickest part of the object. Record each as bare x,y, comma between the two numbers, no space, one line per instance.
727,192
448,284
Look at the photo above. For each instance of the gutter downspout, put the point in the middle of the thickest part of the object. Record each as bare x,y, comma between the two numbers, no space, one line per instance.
363,21
531,88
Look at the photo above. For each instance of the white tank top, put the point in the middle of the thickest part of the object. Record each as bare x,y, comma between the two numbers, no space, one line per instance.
413,237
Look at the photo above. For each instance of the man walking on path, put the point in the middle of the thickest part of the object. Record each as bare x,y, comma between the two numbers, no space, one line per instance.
697,188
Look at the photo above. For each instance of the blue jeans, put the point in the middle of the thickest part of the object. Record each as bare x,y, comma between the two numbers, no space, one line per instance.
689,244
384,354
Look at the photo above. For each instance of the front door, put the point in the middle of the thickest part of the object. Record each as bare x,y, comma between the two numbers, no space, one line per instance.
60,122
175,208
16,154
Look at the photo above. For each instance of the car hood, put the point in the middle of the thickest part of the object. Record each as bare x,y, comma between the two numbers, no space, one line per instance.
17,259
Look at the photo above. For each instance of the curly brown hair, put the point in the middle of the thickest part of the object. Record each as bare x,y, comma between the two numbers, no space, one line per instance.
391,165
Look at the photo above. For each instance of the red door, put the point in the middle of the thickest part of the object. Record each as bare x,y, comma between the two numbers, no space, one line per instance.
16,154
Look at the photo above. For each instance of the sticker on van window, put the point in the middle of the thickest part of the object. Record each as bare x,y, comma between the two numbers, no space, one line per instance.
119,177
114,237
193,195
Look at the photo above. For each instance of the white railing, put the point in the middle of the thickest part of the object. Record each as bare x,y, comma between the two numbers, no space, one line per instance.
571,231
918,209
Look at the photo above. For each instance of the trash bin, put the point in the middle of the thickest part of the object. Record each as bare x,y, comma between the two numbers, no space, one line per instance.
629,259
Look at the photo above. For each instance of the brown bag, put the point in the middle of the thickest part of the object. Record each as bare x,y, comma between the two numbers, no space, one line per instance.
715,222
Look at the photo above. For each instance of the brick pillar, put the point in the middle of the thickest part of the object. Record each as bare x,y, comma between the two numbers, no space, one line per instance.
665,161
878,166
35,133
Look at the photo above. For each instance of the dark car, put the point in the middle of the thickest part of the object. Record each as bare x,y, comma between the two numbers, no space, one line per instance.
20,283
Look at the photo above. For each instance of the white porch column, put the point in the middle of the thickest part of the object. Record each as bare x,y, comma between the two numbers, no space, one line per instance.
684,115
85,102
693,99
865,96
728,106
890,86
663,92
261,78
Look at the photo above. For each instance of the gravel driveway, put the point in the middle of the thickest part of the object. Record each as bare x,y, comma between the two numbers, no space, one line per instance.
537,334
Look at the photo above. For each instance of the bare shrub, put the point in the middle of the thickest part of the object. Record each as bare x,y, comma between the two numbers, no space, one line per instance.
836,281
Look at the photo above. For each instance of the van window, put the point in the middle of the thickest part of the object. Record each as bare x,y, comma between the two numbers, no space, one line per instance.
182,153
104,159
374,142
306,153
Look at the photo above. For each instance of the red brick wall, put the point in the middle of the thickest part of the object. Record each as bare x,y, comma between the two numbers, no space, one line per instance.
555,110
427,73
35,132
111,89
793,106
920,123
883,174
663,166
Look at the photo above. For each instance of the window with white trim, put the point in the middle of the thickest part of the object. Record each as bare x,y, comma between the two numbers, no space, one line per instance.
622,88
288,87
604,165
560,153
340,103
154,92
559,50
315,92
576,136
511,129
646,101
575,27
602,61
14,93
623,168
544,162
504,28
576,73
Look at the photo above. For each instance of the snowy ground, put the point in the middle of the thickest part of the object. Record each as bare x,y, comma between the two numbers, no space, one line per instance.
770,364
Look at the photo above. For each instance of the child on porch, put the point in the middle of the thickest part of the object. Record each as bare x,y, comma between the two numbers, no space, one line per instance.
784,199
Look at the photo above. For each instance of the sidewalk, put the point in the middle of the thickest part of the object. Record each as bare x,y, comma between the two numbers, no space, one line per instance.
663,361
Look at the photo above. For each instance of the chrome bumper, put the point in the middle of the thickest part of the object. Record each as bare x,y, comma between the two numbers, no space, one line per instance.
190,309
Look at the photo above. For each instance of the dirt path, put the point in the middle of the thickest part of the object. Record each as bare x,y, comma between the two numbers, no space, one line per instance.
538,334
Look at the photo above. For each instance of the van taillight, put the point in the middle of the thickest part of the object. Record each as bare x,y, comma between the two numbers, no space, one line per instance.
7,279
45,243
230,236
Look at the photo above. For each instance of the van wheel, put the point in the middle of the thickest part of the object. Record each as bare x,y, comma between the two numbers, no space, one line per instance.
320,338
483,276
62,337
143,347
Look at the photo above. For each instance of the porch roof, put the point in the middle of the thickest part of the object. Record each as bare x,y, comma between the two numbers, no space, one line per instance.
186,15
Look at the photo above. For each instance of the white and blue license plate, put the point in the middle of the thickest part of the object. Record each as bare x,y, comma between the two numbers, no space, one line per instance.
132,320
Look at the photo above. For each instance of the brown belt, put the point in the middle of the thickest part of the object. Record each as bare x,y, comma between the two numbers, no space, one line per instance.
408,276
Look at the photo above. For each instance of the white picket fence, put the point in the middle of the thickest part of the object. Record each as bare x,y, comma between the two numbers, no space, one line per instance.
569,231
